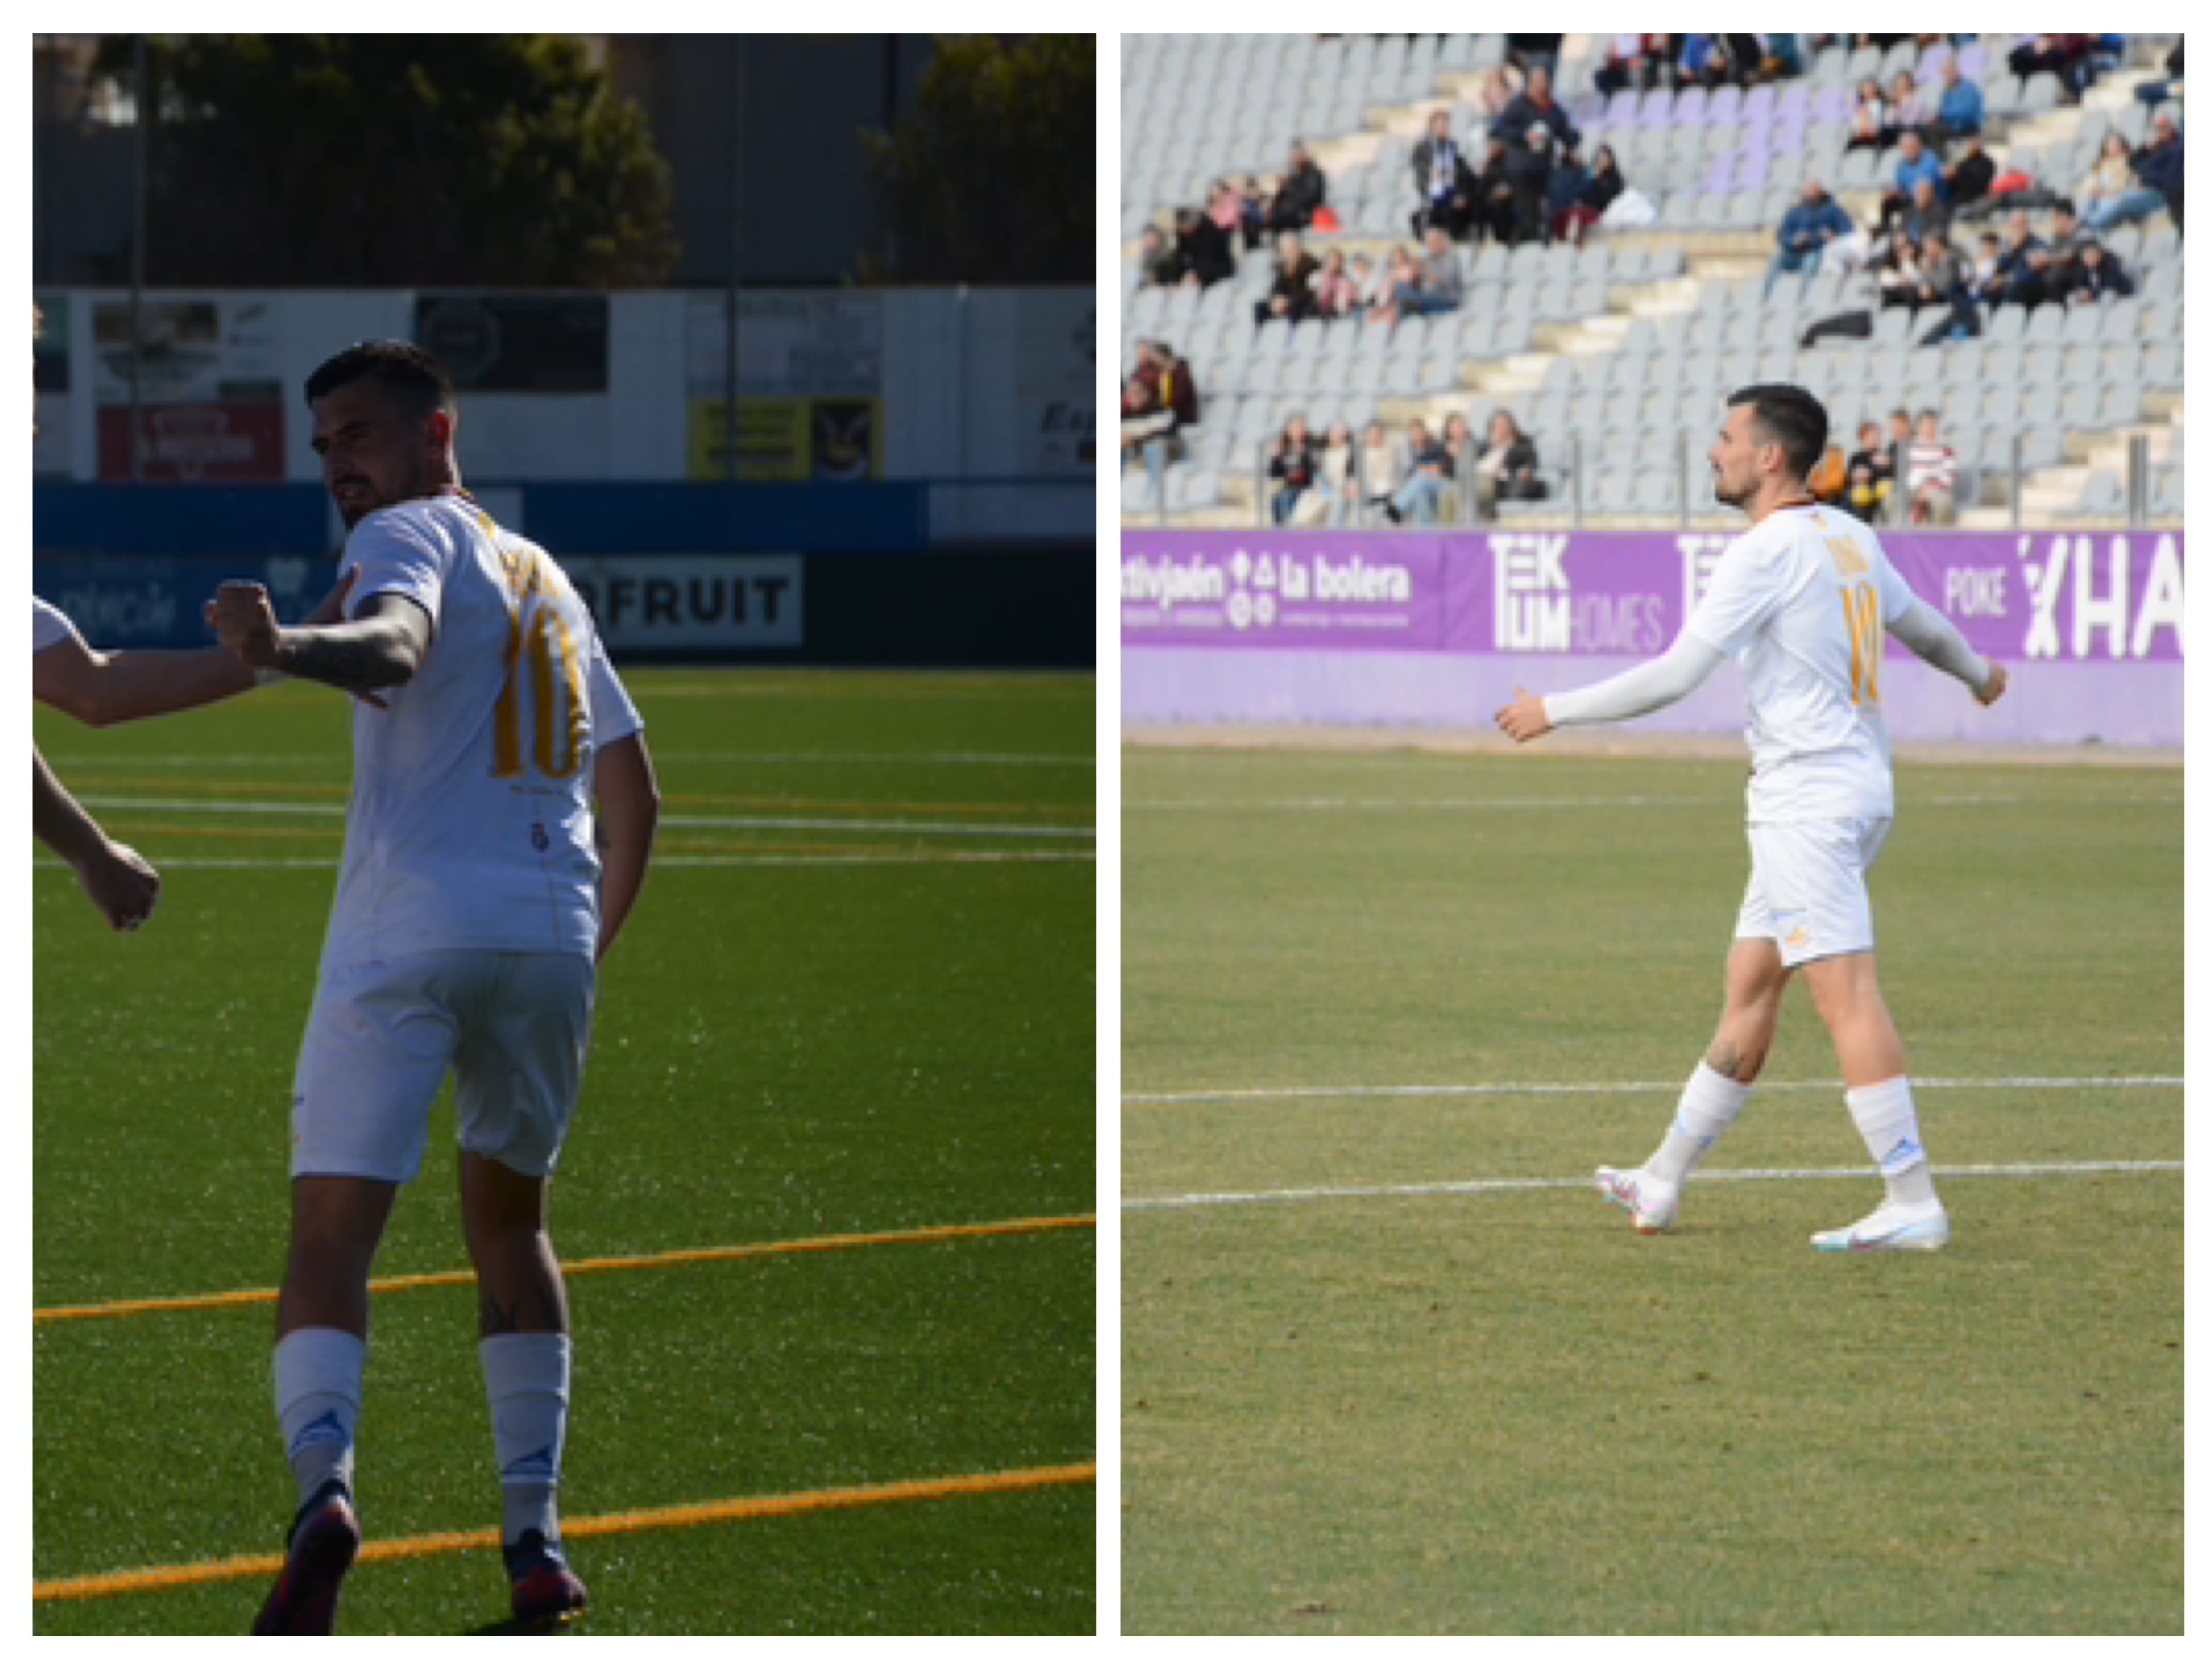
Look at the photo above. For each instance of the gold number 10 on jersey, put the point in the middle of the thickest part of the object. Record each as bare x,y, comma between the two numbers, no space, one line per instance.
536,631
1862,617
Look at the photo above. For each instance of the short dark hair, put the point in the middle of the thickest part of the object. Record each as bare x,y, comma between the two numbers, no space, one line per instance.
1787,416
417,381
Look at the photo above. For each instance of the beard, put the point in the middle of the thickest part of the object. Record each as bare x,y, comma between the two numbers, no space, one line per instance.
1730,498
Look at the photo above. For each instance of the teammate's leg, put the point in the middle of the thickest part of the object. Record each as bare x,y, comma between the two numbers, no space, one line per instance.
522,1320
1848,995
322,1332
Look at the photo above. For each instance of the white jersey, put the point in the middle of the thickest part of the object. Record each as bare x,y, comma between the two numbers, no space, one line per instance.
469,822
1802,602
50,626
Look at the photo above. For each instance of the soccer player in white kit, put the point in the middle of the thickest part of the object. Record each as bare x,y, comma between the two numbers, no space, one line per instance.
1801,601
471,909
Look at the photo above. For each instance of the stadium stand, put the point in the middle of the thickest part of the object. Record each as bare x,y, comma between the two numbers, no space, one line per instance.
1610,355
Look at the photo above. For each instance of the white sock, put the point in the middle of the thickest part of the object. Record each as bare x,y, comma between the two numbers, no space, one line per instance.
317,1373
1886,1120
527,1382
1708,1106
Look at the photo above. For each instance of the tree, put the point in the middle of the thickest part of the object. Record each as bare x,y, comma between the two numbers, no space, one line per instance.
994,177
395,160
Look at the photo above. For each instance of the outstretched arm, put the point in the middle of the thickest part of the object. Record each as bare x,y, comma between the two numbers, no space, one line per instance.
102,688
1668,678
382,647
1936,641
629,808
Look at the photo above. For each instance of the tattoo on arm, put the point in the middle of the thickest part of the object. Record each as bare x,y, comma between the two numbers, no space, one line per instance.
352,657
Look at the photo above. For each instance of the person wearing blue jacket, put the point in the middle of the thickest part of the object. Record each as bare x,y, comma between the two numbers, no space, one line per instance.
1817,220
1959,112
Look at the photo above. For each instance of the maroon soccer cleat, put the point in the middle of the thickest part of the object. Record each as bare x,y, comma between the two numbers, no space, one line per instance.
304,1602
546,1589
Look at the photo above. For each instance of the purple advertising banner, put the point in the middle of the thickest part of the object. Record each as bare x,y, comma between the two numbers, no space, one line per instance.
2070,596
1265,624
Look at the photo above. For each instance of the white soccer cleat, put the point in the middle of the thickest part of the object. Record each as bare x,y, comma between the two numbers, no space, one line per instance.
1651,1202
1891,1228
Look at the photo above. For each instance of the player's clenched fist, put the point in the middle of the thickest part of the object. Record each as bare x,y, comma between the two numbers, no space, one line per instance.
1525,719
1994,688
121,884
246,622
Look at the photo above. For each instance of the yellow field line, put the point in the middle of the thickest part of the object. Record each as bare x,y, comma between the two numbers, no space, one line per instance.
575,1528
585,1266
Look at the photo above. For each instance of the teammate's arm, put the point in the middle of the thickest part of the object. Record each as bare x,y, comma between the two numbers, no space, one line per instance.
382,647
102,688
1668,678
122,884
1935,639
629,808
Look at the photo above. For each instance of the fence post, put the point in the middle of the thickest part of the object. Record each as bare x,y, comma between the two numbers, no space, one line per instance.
1575,463
2138,479
2014,490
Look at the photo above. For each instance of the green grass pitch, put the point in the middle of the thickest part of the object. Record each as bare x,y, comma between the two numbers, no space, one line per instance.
858,997
1377,1409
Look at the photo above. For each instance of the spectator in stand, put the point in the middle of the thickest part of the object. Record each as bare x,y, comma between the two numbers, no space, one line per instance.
2018,283
1981,277
1301,190
1597,193
1909,112
2157,168
1156,262
1569,175
1367,283
2156,93
1225,206
1335,292
1292,295
1440,286
1869,124
1958,109
1898,441
1296,461
1460,448
1381,471
1403,278
1497,90
1700,63
1506,466
2095,275
1202,254
1931,475
2067,55
1533,108
1967,179
1816,220
1147,417
1528,169
1494,193
1443,182
1178,387
2112,177
1915,161
1421,495
1624,65
1251,203
1927,215
1869,475
1328,499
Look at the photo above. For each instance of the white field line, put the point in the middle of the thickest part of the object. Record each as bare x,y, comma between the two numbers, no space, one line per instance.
691,862
1527,1184
1509,803
1638,1087
681,821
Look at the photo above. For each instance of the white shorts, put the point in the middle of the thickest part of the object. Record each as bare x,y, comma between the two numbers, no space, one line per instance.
512,1026
1808,892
